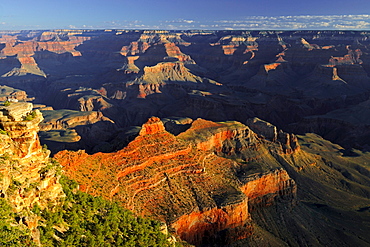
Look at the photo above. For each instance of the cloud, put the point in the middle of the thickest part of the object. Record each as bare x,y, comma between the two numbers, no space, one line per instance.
356,22
321,22
188,21
287,22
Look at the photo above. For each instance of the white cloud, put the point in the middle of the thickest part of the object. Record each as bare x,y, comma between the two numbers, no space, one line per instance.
287,22
356,22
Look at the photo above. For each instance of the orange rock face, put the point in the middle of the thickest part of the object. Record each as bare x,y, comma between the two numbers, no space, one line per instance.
194,227
180,180
26,49
147,89
353,57
136,47
229,49
271,66
174,51
275,183
153,126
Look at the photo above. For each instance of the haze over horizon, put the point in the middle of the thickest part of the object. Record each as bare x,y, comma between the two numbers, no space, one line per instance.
192,14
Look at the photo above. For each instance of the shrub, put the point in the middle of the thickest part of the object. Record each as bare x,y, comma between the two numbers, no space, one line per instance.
3,132
30,116
94,221
10,234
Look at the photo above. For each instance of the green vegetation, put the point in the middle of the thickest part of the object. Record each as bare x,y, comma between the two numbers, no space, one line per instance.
3,132
84,220
10,234
7,103
30,116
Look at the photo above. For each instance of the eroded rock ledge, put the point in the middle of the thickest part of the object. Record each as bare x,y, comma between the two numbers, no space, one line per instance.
186,180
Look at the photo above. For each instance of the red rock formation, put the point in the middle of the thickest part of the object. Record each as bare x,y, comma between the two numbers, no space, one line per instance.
229,49
133,49
147,40
211,136
26,49
271,66
203,228
152,126
231,43
180,180
174,51
148,89
271,184
131,67
353,57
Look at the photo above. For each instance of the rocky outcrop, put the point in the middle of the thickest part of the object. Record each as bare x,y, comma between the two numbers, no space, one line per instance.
217,226
353,57
262,189
231,43
27,179
59,119
222,138
173,51
81,99
153,125
288,142
12,94
137,50
167,72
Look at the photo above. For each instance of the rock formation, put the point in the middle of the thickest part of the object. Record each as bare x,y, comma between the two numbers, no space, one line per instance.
216,182
148,177
26,50
288,141
26,177
12,94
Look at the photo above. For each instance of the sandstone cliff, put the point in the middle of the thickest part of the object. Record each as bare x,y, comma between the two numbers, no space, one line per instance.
27,178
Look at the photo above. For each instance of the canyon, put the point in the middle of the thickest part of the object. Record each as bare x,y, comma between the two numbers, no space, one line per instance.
229,137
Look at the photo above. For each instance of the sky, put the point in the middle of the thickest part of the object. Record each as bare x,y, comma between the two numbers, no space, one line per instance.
185,14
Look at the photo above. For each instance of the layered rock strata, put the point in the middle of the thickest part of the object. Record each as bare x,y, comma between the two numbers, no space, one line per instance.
181,181
26,177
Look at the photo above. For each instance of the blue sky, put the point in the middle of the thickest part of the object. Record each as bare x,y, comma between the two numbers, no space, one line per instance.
185,14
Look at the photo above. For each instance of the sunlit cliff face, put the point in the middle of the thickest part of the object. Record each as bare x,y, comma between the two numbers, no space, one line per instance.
25,164
182,181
